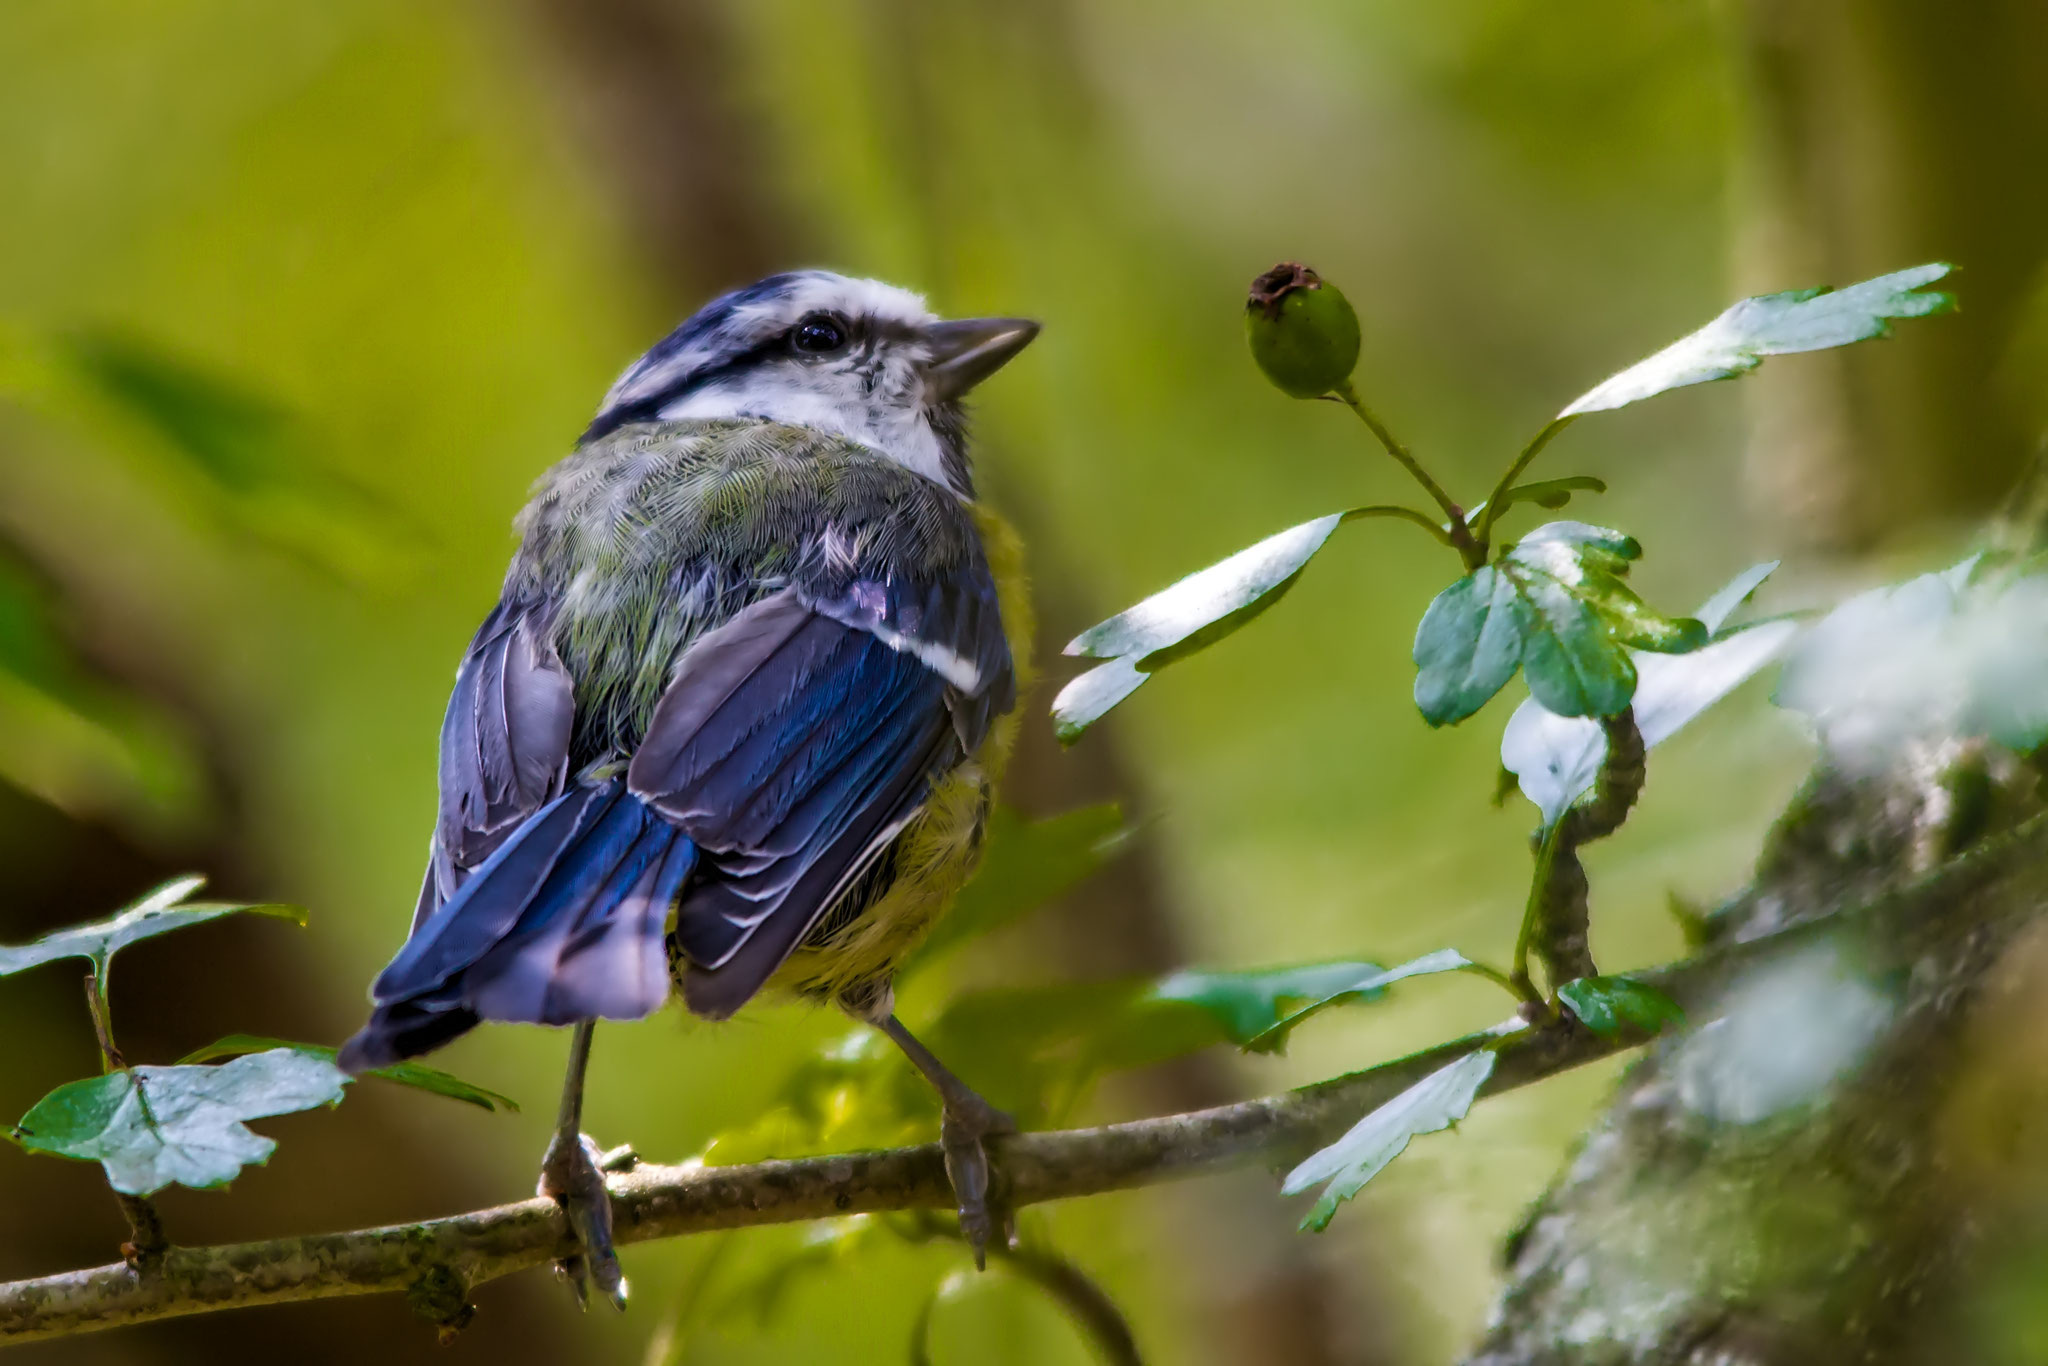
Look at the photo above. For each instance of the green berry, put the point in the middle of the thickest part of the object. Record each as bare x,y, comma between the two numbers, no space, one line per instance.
1302,330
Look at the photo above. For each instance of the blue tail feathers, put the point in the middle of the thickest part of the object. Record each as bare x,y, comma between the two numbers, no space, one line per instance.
564,922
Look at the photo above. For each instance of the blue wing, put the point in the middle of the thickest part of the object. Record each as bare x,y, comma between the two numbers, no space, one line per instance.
791,746
504,746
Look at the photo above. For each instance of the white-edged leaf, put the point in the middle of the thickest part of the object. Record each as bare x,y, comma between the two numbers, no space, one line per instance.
1206,596
1190,616
1247,1004
161,911
1772,325
1716,610
409,1073
1363,987
1087,699
152,1127
1436,1102
1555,759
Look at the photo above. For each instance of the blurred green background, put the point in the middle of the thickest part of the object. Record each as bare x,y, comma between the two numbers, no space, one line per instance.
398,250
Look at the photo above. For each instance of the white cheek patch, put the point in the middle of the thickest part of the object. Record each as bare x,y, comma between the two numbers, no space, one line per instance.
896,430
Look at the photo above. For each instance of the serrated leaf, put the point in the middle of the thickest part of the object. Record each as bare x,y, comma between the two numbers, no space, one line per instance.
413,1074
160,912
1436,1102
1555,759
1553,605
1612,1006
152,1127
1027,864
1772,325
1247,1005
1367,987
1176,622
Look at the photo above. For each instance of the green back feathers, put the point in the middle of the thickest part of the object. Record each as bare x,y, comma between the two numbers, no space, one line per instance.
641,541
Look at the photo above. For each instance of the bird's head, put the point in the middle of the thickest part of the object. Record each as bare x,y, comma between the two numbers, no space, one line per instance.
857,358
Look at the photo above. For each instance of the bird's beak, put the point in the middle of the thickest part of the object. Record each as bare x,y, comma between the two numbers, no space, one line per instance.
968,351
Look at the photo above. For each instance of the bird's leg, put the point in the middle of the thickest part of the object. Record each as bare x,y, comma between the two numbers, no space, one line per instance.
572,1175
965,1121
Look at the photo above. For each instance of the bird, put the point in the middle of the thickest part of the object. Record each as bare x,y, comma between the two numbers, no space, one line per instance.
735,721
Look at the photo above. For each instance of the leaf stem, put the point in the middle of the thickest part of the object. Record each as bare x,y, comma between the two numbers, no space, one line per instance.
1496,502
1532,911
1406,514
102,1020
1457,534
1504,981
146,1241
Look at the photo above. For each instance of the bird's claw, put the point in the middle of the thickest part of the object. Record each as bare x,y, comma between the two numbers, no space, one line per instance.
984,1214
572,1175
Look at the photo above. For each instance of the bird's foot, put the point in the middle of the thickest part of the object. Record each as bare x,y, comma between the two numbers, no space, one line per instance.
964,1126
572,1175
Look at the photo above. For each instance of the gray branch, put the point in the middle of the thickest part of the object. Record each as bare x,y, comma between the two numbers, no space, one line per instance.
438,1262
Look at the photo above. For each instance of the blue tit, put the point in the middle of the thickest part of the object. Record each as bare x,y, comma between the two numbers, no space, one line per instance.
734,721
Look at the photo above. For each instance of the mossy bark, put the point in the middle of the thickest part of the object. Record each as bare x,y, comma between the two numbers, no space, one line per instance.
1832,1229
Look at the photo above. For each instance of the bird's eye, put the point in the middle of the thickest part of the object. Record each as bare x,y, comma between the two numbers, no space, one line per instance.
818,333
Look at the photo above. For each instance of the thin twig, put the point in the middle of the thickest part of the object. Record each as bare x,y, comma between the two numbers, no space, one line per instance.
1497,501
1459,535
652,1202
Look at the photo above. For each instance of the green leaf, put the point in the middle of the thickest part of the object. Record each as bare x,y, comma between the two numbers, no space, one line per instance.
1037,1049
1247,1005
1367,987
160,912
1436,1102
1041,1048
257,458
857,1092
1612,1006
1556,758
152,1127
1027,864
1469,645
1553,605
1178,621
411,1074
68,734
1545,493
1772,325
